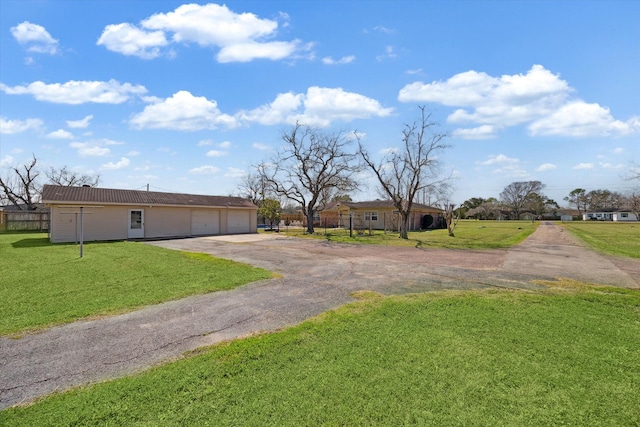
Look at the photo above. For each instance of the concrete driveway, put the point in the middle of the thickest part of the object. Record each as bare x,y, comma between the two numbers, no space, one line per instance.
316,276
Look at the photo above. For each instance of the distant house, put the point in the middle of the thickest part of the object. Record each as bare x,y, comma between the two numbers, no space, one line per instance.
609,215
379,215
113,214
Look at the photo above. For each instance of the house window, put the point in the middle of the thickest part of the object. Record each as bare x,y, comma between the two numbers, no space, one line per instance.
370,216
624,214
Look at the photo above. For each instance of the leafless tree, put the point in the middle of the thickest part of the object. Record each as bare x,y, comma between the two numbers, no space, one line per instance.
68,178
311,169
516,194
411,170
252,187
21,187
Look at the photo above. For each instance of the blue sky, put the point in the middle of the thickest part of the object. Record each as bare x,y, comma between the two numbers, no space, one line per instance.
188,97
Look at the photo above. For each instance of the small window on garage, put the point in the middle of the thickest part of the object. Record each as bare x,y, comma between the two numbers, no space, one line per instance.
371,216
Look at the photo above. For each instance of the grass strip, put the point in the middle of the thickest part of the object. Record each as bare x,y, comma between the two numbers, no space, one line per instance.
44,284
569,356
613,238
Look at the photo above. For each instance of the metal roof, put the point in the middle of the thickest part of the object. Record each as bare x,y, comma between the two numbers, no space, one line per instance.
93,195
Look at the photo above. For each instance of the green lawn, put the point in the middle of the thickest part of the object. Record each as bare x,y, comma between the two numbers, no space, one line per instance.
614,238
562,356
45,284
469,234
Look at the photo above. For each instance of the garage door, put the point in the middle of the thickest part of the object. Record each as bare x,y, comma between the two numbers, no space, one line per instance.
239,222
205,222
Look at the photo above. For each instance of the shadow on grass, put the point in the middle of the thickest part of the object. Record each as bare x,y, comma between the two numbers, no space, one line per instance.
32,243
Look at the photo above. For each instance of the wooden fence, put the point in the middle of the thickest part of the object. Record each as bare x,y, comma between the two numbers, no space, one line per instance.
24,220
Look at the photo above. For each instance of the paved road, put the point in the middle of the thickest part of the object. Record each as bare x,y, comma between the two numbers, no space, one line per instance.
316,276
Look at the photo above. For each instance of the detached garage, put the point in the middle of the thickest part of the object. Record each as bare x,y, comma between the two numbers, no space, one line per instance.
112,214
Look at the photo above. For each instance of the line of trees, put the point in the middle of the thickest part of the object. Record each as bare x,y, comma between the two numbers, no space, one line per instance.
314,168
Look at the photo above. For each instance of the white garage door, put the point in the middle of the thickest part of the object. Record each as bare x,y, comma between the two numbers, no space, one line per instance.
205,222
239,222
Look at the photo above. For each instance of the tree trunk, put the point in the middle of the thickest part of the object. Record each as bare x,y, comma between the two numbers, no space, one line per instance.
404,225
310,229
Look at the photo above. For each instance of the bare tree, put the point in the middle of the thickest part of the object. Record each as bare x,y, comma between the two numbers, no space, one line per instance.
311,169
252,186
578,197
68,178
411,170
21,186
516,194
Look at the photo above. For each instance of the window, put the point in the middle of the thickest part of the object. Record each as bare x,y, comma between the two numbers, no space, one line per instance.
370,216
624,214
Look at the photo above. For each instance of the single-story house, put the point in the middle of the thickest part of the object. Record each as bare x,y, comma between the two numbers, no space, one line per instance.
609,215
379,215
113,214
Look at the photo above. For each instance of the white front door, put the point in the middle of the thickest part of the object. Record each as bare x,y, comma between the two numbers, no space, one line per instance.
136,224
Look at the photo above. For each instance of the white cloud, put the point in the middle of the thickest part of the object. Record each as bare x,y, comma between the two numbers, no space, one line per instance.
205,142
500,159
583,166
225,144
87,149
539,98
123,163
618,150
35,38
60,134
384,29
182,111
261,147
216,153
133,153
9,127
480,132
132,41
581,119
611,166
318,107
546,167
386,151
80,124
78,92
344,60
6,161
389,53
205,170
234,173
240,37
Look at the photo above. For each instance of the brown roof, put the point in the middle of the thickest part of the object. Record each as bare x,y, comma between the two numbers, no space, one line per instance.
376,204
111,196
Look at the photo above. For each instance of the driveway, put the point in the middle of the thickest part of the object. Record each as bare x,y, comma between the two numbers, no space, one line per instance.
316,276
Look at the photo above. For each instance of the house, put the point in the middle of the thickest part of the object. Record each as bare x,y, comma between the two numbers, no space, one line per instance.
114,214
379,215
609,215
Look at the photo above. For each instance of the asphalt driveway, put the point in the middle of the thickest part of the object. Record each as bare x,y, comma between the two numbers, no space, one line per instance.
316,276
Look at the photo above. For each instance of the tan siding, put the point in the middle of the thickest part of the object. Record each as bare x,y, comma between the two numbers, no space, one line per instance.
167,222
107,223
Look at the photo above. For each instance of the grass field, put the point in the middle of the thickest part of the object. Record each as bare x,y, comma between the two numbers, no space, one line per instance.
45,284
614,238
469,234
564,356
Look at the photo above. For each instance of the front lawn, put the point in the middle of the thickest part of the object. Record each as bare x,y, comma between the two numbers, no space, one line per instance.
614,238
563,356
44,284
469,234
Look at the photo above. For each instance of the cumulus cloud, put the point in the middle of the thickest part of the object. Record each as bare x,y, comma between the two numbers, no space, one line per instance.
538,98
234,173
261,147
35,38
504,165
183,111
8,127
320,106
78,92
579,118
121,164
546,167
583,166
80,124
216,153
205,170
344,60
60,134
480,132
240,37
6,161
86,149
